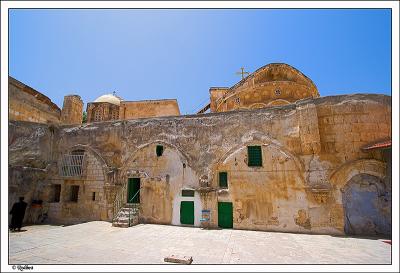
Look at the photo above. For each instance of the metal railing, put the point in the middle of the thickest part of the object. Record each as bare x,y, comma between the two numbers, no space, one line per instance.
119,200
71,165
136,208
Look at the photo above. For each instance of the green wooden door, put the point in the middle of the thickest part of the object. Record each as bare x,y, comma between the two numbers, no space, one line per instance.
133,188
187,212
225,215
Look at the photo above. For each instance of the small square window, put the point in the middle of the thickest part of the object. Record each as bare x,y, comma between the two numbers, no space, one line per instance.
237,100
159,150
55,193
74,193
188,193
223,180
277,92
254,154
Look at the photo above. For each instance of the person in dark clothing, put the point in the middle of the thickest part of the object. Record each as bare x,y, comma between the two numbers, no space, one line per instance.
18,213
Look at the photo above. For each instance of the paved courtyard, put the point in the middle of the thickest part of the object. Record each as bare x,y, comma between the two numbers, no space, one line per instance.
99,242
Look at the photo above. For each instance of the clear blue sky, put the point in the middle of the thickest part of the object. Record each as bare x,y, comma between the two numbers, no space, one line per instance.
155,54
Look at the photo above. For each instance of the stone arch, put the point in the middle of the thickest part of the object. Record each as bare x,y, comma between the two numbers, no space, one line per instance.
262,140
344,173
346,179
366,206
278,102
134,154
262,197
89,149
92,152
95,179
161,181
257,105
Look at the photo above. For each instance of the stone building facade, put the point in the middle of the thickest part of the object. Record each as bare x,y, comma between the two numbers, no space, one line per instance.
297,167
111,107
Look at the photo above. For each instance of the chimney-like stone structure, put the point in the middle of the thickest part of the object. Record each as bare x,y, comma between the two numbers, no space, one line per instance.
72,110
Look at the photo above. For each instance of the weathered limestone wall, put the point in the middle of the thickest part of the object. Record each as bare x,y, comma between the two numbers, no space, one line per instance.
27,104
72,110
148,108
299,187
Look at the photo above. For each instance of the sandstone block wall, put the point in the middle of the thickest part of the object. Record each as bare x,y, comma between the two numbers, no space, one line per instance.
146,109
307,162
72,110
27,104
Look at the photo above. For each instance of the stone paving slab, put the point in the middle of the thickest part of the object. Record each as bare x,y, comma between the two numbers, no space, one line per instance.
99,243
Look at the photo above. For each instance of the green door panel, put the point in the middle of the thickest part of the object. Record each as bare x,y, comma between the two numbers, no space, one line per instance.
187,212
133,188
225,215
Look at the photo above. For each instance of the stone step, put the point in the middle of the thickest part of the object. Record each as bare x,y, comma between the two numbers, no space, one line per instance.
125,219
129,211
127,214
121,225
131,205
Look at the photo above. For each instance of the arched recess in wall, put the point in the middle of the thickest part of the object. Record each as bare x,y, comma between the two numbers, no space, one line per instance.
278,102
344,173
134,154
362,192
92,152
366,210
157,172
366,204
261,140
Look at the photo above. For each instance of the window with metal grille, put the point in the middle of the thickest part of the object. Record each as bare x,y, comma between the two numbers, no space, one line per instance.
159,150
254,155
188,193
74,193
71,165
223,179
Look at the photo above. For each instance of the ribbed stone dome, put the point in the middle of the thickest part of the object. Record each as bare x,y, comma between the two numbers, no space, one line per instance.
110,98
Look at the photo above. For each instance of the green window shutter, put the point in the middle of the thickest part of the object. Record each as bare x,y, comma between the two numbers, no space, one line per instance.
223,179
159,150
188,193
254,156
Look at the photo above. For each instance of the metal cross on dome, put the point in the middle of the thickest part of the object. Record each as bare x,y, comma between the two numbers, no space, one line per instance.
242,72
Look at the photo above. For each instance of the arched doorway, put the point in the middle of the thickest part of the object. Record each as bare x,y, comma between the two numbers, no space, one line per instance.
366,207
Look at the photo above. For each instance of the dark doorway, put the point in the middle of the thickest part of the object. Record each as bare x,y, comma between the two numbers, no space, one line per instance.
133,190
